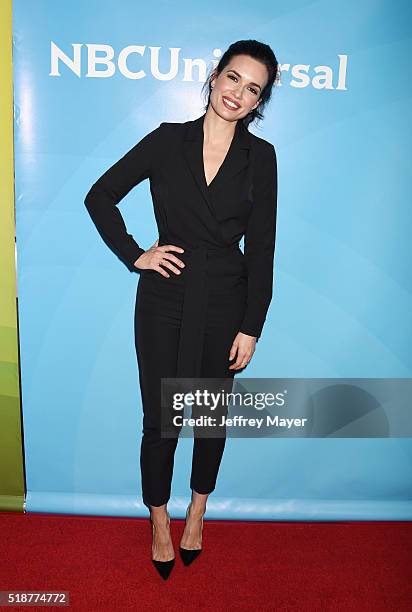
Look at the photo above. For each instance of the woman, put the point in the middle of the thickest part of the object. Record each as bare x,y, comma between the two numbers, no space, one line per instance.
201,303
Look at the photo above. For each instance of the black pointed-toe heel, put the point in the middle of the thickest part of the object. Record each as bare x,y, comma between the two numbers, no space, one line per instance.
188,555
163,567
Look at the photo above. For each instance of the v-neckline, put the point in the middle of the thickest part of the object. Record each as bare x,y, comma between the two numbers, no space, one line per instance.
224,160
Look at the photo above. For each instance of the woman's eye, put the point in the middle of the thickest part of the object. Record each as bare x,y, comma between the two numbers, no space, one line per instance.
232,76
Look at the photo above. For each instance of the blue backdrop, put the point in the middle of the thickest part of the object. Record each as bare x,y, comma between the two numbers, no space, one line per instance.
91,79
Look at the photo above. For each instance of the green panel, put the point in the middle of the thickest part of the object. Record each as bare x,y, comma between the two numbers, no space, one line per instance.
11,451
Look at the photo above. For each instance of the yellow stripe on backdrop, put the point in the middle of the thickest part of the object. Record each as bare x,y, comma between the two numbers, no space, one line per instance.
11,452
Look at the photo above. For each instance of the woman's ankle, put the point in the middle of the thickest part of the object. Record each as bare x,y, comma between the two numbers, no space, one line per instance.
159,514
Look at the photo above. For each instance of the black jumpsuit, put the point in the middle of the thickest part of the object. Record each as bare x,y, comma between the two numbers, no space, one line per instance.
185,324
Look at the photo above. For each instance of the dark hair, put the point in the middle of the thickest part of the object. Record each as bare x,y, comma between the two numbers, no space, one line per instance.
259,51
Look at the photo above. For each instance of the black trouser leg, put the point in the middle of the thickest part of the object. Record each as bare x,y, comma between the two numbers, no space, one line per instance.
157,337
208,451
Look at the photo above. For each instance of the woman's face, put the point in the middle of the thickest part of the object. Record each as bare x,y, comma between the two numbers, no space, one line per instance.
237,89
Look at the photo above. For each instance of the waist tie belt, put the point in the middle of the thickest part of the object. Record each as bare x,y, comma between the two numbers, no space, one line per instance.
195,299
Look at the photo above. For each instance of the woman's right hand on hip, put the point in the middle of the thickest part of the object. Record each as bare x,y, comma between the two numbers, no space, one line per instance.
157,258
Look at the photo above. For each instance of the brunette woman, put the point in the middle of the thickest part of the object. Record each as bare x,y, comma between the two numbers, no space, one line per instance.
201,302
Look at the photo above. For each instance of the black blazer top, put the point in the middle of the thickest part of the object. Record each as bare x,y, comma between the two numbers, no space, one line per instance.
240,200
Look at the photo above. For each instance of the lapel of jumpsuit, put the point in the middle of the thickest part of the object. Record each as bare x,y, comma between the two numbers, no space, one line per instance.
196,289
236,158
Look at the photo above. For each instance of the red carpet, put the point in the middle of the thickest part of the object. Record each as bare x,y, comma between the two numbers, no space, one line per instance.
104,563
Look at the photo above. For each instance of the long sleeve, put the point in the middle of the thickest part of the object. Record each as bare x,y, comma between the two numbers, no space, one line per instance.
260,243
106,193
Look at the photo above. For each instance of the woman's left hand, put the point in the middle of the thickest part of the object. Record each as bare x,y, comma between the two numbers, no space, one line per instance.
243,347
